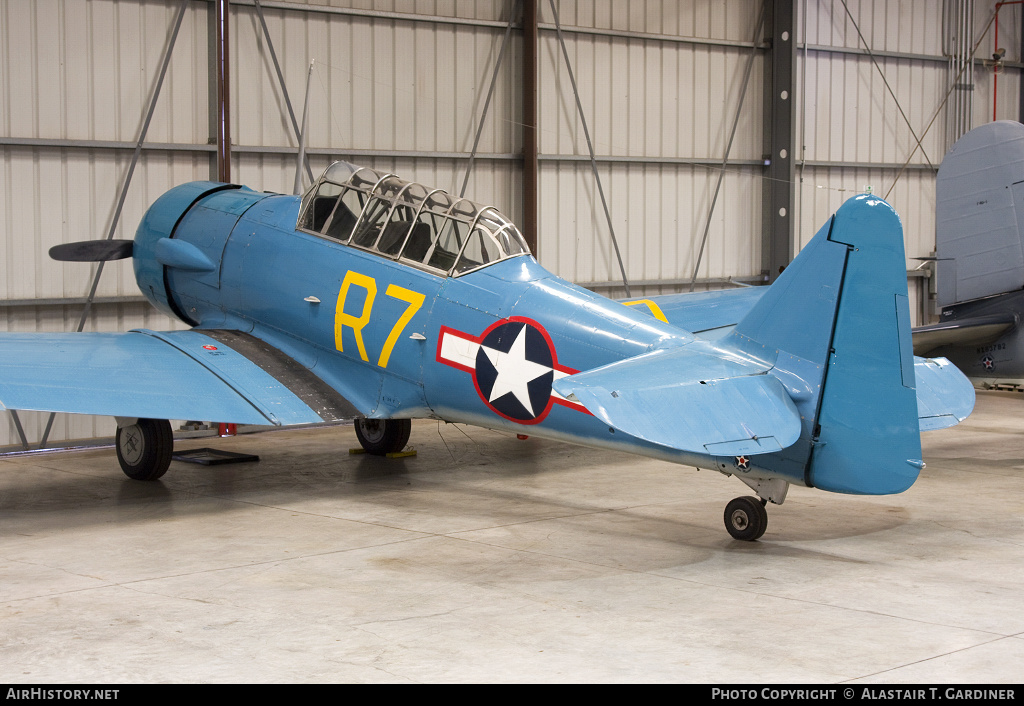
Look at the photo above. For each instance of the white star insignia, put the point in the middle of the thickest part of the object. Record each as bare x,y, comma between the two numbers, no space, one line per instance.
515,372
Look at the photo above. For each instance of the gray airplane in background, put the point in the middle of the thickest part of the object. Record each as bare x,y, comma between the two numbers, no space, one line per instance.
979,249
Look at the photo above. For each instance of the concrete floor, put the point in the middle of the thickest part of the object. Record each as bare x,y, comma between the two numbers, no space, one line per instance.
488,559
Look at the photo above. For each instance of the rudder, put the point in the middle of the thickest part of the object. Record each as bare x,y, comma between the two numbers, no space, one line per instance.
869,437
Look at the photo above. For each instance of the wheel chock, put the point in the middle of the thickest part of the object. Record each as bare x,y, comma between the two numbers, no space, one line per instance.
212,457
393,454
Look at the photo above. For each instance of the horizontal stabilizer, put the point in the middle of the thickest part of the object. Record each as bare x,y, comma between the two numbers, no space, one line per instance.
978,330
945,396
698,312
171,375
93,251
695,398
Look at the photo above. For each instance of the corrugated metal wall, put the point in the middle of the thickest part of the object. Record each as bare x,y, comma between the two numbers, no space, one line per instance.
659,86
852,132
401,85
81,72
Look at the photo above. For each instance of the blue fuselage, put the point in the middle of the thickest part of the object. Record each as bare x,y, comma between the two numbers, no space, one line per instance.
397,341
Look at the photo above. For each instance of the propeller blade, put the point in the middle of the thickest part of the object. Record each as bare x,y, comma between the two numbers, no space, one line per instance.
92,251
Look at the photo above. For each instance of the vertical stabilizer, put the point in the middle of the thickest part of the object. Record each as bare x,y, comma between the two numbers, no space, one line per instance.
979,214
838,322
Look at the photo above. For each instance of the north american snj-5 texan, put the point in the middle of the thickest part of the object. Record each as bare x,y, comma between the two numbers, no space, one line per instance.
382,300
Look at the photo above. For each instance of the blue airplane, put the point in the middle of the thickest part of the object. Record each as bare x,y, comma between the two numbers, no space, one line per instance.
380,300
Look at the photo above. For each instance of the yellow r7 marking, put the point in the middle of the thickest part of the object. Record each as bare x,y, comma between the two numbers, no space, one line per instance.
358,323
415,301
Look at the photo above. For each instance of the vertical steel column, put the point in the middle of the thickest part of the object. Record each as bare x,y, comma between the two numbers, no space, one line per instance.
223,93
777,244
530,133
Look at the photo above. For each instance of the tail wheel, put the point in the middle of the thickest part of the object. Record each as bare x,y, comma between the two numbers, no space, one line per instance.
383,436
144,448
746,518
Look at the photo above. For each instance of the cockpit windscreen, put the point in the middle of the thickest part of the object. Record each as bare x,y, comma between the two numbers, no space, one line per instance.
402,220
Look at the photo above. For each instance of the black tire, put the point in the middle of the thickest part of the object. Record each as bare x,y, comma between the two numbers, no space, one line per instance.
746,518
383,436
144,448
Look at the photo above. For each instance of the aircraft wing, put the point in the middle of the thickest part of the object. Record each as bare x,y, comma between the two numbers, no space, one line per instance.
690,399
223,376
701,311
978,330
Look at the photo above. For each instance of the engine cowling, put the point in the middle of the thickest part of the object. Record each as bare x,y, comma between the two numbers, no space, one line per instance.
179,244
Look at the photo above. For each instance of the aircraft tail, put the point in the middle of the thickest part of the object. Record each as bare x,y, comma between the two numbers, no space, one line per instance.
838,321
816,385
979,214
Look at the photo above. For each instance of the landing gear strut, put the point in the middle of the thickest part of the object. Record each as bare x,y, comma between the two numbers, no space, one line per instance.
383,436
144,448
746,518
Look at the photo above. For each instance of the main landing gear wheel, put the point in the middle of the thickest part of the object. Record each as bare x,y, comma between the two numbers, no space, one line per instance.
383,436
746,518
144,448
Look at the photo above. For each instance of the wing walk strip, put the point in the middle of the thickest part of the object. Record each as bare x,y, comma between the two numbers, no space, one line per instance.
275,386
318,395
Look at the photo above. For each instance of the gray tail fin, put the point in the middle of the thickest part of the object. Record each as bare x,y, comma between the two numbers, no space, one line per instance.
979,214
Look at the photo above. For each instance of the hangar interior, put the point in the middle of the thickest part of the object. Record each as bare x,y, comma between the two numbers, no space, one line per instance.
719,149
643,148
